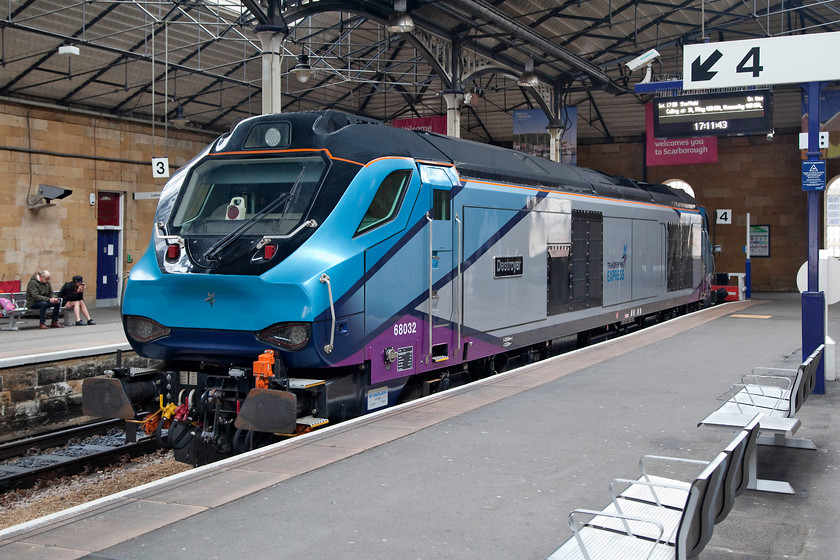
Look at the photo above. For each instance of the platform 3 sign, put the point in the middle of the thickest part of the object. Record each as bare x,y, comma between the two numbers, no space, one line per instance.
758,62
160,167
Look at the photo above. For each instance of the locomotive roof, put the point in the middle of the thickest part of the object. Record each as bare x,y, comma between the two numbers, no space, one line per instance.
364,140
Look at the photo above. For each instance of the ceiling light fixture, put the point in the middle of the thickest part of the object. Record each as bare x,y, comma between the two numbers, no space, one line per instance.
68,49
302,70
401,22
528,78
179,120
473,96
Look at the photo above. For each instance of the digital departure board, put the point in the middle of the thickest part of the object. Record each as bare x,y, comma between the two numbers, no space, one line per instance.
713,114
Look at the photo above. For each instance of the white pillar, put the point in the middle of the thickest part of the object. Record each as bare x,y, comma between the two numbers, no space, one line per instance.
453,114
555,135
828,283
272,71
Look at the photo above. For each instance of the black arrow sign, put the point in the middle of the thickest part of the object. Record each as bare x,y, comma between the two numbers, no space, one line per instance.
701,72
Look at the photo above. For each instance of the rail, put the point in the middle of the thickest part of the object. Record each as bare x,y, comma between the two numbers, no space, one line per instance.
65,455
19,447
268,238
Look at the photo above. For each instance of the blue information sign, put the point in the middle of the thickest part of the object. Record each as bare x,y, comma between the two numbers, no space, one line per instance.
813,175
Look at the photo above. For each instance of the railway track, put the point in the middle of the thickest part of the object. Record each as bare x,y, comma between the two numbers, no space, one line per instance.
20,447
23,463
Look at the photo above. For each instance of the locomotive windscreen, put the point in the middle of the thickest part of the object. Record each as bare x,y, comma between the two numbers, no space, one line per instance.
276,193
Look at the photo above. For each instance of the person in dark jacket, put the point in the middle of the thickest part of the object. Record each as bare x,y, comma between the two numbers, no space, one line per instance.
39,296
72,294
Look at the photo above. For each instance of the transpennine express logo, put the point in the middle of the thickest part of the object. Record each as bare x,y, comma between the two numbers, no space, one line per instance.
615,269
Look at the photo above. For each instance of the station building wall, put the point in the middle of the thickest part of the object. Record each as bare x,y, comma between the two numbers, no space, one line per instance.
88,154
751,175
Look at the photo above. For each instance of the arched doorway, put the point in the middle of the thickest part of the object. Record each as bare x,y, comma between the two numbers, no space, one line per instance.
831,238
681,185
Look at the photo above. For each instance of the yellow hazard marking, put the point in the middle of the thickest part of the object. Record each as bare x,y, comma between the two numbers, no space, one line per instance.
745,316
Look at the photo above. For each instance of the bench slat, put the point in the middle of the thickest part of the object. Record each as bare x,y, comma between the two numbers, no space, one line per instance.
609,545
734,420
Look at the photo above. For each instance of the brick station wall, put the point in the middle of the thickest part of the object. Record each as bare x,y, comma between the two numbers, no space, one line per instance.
751,175
35,398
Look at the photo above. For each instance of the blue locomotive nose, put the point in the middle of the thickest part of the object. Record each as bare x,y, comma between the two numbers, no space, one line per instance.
205,301
196,317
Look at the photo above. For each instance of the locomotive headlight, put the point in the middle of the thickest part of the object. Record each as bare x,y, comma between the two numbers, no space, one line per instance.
288,336
142,329
273,137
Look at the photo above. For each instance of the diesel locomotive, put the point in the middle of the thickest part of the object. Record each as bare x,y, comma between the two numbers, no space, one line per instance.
311,267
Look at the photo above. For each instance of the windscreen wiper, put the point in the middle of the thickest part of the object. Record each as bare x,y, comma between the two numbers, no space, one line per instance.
293,193
213,252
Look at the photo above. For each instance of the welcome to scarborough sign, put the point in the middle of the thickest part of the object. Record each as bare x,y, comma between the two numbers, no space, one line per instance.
677,151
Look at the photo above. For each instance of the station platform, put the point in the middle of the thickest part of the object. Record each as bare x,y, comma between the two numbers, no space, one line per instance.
493,469
31,345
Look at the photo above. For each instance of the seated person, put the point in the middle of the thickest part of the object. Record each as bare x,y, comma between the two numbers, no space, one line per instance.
71,294
39,296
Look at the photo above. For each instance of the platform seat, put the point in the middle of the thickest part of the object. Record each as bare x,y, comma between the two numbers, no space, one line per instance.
777,425
740,454
778,397
20,311
14,315
673,534
781,392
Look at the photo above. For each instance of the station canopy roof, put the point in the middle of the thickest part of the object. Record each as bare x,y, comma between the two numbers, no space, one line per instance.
203,59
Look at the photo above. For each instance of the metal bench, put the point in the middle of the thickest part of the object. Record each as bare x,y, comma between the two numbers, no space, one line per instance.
14,315
629,536
781,391
777,397
740,453
663,498
20,311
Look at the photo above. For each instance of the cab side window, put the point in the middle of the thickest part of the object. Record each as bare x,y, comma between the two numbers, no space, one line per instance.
386,202
440,204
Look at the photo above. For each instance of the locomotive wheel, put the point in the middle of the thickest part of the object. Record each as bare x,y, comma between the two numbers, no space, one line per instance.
247,440
178,435
545,350
584,339
499,363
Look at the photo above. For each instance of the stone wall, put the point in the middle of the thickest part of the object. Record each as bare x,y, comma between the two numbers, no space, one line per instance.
35,398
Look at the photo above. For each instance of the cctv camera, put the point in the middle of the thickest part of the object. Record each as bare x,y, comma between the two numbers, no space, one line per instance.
770,135
47,194
53,193
643,59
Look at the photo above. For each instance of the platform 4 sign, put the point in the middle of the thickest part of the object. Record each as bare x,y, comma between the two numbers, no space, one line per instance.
758,62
